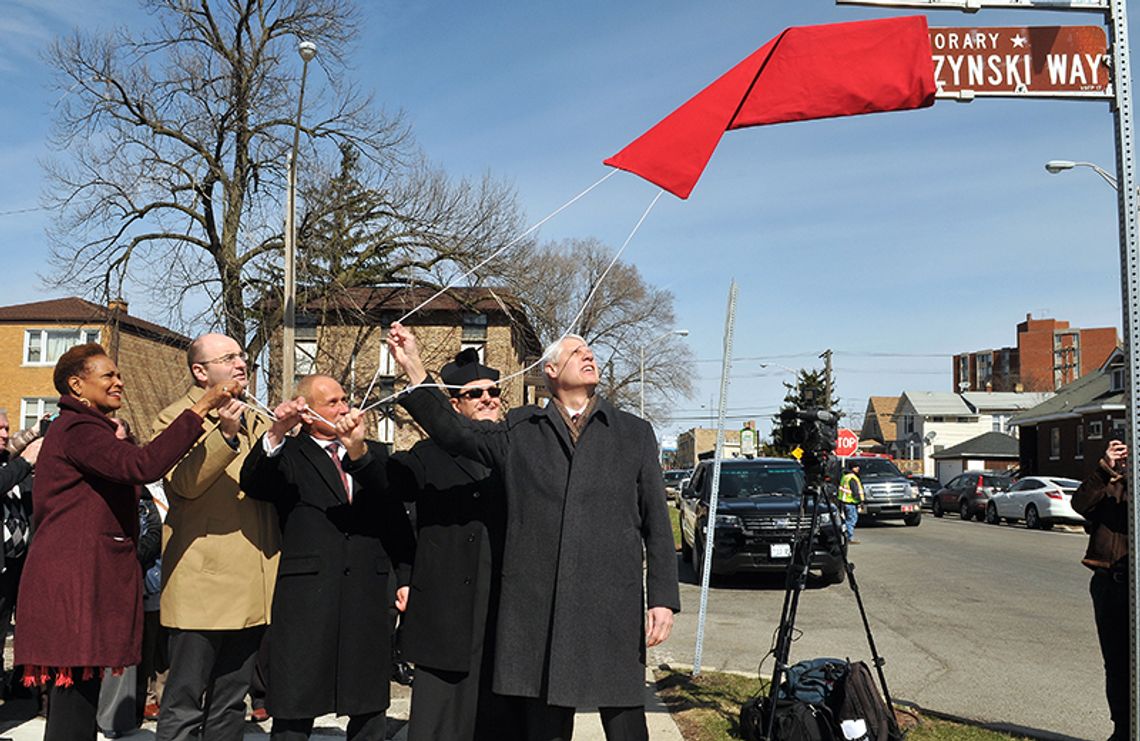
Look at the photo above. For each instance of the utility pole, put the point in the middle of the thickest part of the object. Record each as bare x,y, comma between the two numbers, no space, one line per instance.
828,389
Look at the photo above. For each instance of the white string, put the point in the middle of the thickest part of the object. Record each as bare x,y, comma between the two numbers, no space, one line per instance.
569,329
455,281
271,415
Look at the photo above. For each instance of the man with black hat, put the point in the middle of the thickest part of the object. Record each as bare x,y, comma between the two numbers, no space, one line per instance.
589,579
448,628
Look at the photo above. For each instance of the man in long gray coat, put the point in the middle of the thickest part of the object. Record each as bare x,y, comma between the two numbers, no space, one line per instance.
586,502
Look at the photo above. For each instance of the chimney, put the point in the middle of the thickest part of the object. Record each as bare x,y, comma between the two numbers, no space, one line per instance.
118,304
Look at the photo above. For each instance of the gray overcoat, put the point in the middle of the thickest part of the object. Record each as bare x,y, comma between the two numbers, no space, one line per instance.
580,519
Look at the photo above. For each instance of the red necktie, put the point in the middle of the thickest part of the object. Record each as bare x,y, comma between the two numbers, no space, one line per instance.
333,450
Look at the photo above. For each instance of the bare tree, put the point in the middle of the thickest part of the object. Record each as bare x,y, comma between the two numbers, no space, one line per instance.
177,139
625,314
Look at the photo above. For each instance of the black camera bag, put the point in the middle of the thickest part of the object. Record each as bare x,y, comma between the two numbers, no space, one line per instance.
859,697
795,721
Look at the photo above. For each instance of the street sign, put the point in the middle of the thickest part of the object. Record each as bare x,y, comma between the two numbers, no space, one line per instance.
1021,62
748,441
846,443
972,5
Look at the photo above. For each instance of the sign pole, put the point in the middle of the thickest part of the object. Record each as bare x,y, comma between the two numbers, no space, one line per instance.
718,452
1130,300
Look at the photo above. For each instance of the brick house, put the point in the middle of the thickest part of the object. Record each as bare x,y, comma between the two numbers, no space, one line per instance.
151,358
344,337
698,443
1067,434
1049,354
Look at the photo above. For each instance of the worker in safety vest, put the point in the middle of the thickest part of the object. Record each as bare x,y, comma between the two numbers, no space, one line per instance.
851,495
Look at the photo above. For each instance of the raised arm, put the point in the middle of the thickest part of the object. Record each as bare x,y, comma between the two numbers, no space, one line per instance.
108,457
485,442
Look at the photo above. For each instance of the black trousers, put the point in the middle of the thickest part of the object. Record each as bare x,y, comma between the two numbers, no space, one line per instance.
1110,606
555,723
371,727
209,676
9,587
71,711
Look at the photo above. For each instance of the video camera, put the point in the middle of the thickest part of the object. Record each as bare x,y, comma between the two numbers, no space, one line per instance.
814,432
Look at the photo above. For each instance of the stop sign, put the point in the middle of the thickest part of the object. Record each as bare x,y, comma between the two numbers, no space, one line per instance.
846,443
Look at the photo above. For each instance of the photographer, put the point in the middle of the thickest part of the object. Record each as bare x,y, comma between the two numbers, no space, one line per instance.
1103,500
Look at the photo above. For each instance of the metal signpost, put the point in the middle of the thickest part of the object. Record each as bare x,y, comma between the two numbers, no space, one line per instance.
710,526
1120,97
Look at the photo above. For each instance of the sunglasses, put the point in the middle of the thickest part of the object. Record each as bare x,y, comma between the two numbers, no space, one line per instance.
473,394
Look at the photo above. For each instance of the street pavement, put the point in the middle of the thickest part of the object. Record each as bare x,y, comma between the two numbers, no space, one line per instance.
989,623
17,722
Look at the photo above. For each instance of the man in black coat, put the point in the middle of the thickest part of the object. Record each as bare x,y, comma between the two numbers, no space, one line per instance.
448,630
343,533
585,504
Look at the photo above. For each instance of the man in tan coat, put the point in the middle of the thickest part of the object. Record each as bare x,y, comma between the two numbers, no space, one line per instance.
219,560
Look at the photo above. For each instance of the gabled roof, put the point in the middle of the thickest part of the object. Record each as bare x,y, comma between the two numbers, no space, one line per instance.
937,403
988,402
73,310
1086,390
882,410
987,445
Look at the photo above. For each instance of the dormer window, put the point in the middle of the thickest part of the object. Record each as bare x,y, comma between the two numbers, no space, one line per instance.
1117,383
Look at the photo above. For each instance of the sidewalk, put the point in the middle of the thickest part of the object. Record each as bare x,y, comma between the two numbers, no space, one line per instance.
587,725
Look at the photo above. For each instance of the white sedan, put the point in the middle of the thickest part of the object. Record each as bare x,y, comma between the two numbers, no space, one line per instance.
1038,500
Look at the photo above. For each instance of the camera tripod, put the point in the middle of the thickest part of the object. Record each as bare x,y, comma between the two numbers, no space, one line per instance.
796,580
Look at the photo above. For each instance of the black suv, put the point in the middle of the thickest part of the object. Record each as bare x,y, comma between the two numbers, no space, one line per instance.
758,515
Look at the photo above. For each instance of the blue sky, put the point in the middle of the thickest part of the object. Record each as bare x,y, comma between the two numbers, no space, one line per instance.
894,239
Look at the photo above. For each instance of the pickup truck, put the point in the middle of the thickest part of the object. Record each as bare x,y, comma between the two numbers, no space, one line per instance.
887,493
758,518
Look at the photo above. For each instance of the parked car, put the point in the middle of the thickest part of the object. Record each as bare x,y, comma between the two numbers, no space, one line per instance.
673,480
926,488
969,493
757,520
887,493
1039,500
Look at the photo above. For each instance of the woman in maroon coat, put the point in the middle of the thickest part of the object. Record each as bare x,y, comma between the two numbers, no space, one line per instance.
80,602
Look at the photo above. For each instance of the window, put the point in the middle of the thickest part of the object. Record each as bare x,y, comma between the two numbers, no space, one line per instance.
1080,441
474,328
45,346
908,424
32,410
964,370
305,352
985,369
1096,430
937,419
1055,443
1117,383
1119,426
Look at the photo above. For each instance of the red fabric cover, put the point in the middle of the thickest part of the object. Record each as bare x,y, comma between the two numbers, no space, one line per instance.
809,72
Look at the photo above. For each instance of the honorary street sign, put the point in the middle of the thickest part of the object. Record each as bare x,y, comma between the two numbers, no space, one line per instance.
1035,62
972,5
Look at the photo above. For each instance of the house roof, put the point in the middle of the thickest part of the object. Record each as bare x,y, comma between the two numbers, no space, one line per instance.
1087,390
76,311
938,403
385,303
882,409
987,445
1004,401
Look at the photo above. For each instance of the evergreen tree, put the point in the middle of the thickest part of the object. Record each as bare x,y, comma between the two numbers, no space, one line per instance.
808,392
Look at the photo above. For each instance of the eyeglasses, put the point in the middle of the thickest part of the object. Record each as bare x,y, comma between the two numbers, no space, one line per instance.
228,359
473,394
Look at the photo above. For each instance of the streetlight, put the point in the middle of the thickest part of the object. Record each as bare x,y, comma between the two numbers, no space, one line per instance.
1056,166
641,383
308,51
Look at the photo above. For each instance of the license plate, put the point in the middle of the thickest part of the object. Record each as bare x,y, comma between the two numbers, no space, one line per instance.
780,550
